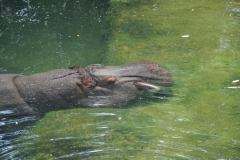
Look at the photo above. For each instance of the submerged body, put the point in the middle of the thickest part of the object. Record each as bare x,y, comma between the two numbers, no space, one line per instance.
91,86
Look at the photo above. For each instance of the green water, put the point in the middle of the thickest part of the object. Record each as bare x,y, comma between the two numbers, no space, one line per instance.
201,120
39,36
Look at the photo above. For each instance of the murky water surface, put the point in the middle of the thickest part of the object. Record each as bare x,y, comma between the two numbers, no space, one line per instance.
197,40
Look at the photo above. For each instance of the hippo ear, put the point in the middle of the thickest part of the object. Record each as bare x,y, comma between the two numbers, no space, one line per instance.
147,86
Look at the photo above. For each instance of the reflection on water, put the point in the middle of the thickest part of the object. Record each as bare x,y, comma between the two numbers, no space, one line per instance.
11,129
197,40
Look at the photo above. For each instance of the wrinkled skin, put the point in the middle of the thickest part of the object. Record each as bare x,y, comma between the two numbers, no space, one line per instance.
91,86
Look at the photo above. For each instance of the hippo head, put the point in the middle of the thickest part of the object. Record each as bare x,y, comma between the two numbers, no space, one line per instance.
116,85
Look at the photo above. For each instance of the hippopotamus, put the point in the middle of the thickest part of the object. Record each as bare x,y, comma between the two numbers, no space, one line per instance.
92,86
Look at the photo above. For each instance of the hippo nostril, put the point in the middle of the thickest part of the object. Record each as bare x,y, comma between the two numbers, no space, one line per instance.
154,71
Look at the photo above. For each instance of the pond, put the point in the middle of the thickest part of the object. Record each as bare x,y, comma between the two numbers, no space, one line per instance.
198,41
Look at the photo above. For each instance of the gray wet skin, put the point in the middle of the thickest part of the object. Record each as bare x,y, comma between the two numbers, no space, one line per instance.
91,86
